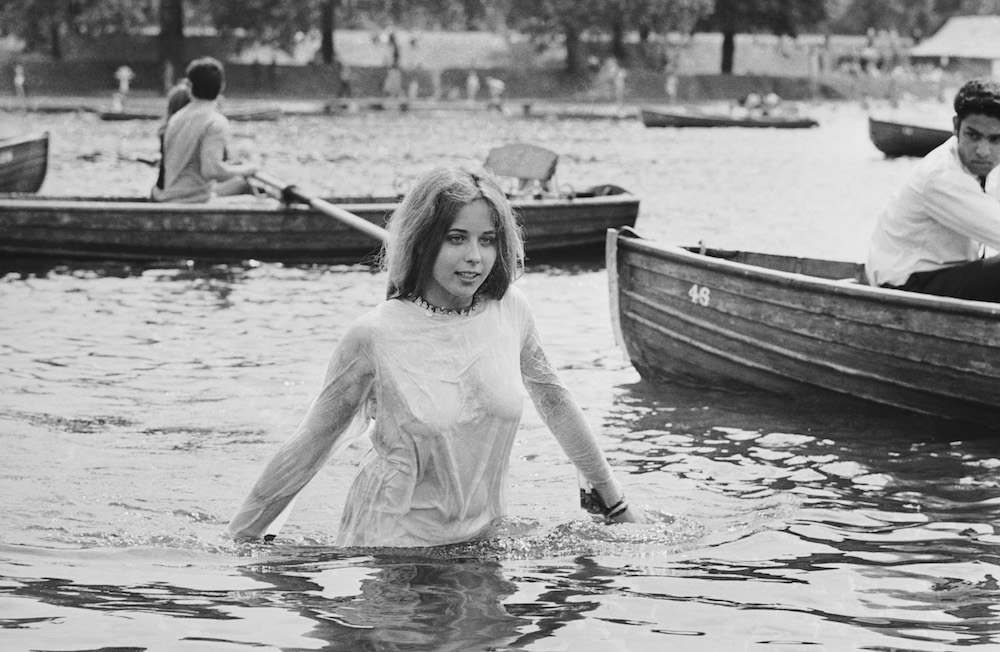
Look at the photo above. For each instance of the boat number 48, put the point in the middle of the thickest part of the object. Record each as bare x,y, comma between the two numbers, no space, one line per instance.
700,294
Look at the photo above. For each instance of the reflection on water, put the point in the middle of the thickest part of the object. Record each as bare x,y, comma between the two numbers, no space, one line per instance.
138,403
395,603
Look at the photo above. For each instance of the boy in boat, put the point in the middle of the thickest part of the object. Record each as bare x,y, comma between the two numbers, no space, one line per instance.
932,235
195,143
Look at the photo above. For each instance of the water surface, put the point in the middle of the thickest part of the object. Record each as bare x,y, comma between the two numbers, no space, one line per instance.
137,405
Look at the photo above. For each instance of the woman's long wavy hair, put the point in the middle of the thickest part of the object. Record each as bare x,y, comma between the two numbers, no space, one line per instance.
418,226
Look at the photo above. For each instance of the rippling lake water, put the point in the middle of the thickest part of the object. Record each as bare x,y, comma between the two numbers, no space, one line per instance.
137,405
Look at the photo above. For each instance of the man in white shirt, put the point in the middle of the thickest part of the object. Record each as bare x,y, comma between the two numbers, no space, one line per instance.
931,236
195,168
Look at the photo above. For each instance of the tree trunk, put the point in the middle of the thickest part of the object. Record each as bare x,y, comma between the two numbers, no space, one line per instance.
328,23
471,10
618,41
55,40
573,51
728,51
172,36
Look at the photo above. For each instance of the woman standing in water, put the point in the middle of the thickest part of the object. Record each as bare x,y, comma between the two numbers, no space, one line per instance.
440,367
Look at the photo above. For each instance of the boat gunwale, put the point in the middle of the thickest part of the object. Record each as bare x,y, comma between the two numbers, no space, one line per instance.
14,141
910,125
695,119
867,293
140,204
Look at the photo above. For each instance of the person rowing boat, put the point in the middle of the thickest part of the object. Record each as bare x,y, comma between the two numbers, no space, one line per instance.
195,144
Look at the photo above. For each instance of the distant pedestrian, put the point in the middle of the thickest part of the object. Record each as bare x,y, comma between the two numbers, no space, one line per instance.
436,89
124,75
611,79
471,86
393,84
495,87
618,83
19,82
346,81
394,49
670,80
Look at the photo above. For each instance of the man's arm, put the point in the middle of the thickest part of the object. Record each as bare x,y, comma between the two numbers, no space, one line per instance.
956,200
213,153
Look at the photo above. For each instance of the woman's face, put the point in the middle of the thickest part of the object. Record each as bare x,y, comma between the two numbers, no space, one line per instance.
466,258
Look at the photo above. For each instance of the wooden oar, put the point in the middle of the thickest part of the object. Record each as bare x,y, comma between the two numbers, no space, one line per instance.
290,193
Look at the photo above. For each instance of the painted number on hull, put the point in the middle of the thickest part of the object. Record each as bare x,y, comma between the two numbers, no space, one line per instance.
700,294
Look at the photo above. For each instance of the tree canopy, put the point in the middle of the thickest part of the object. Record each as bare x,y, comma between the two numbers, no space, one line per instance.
546,20
43,23
781,17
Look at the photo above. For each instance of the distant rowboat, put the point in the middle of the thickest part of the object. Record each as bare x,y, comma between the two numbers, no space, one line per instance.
138,229
801,326
237,115
24,160
694,118
902,139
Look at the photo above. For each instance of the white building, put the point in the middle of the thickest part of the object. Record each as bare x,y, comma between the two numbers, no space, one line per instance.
969,45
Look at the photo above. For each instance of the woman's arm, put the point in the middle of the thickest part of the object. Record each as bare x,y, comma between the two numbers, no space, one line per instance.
348,381
564,418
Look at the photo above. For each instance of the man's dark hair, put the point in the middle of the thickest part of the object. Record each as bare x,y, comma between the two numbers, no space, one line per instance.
978,96
207,78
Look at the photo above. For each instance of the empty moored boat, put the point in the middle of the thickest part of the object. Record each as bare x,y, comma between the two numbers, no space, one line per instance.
904,139
24,160
697,118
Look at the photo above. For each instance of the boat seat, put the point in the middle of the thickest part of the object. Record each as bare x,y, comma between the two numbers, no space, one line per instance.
530,164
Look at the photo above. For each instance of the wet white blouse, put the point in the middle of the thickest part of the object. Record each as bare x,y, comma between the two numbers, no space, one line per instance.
446,393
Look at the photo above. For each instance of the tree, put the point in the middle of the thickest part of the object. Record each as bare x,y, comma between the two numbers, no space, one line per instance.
172,33
781,17
265,21
327,26
546,19
661,16
914,17
43,23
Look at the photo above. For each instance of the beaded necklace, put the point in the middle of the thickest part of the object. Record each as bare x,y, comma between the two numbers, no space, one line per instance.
426,305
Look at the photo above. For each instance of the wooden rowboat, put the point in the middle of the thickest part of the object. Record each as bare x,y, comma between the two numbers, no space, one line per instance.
901,139
137,229
237,115
801,325
693,118
23,162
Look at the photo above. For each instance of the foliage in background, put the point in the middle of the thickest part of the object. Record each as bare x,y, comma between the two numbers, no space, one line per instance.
781,17
913,18
43,24
566,21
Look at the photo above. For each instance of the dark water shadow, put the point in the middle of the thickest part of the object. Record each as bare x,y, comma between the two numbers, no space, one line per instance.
414,601
576,261
174,268
820,413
